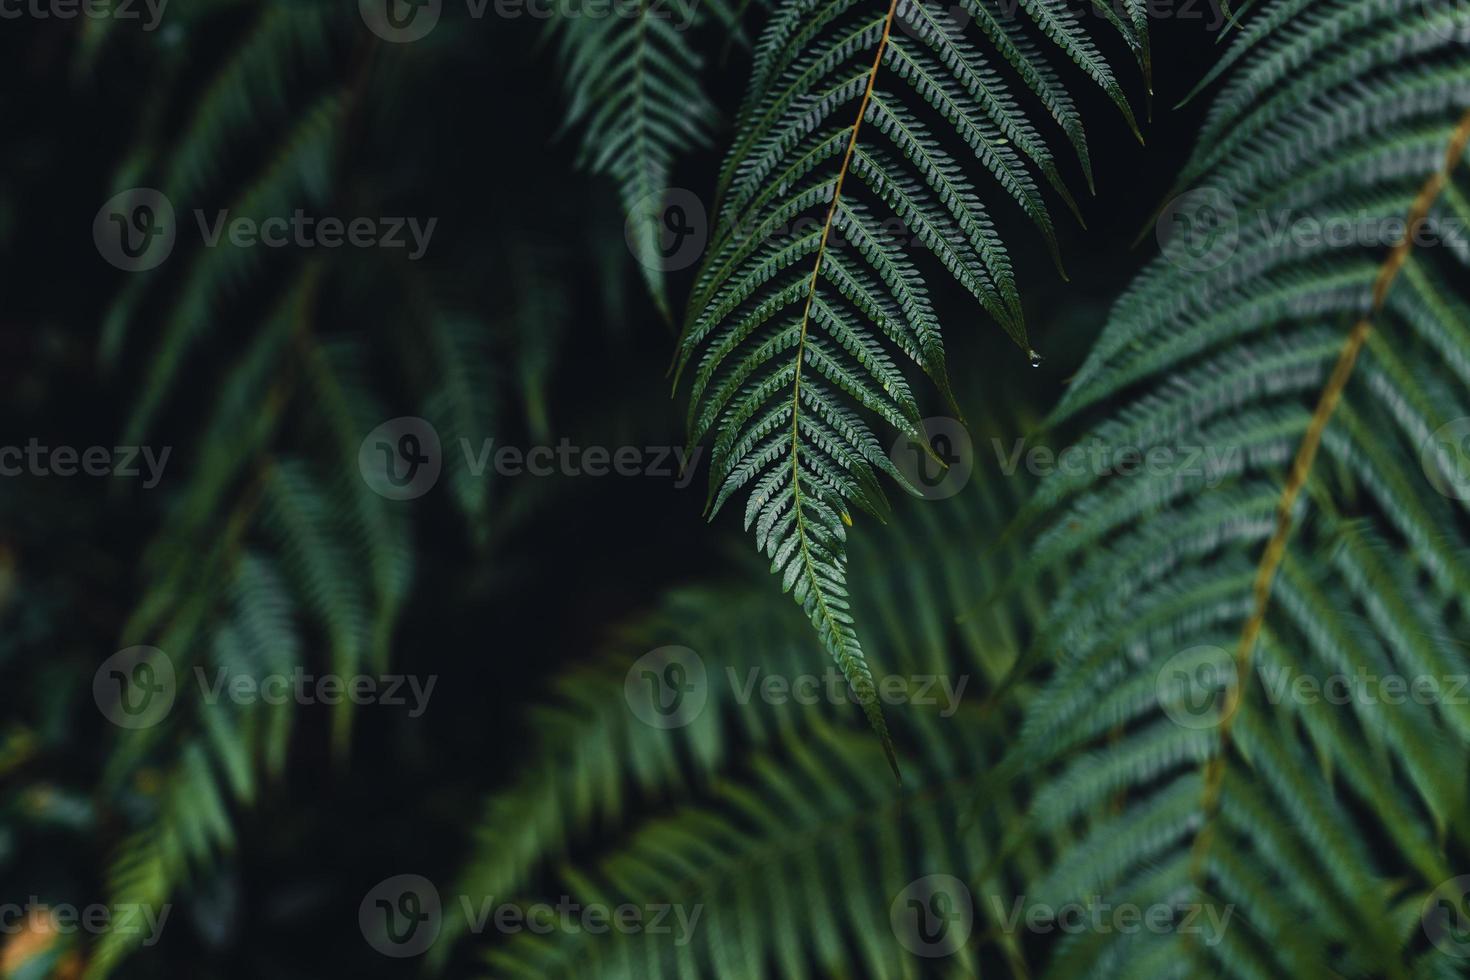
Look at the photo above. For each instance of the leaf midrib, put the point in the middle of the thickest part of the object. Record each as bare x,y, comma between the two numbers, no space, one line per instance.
829,623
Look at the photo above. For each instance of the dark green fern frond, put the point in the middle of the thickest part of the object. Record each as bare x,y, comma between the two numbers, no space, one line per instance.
805,304
1297,364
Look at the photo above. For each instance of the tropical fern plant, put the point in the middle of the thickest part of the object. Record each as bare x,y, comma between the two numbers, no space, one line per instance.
304,555
1194,730
805,304
775,819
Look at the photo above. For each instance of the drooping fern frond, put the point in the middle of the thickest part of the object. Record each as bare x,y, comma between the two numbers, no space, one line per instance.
806,304
1221,716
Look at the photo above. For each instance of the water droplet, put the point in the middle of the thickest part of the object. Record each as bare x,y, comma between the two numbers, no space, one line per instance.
1034,357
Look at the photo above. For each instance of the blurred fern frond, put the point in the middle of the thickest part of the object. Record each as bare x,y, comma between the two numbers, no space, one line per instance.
1302,527
634,91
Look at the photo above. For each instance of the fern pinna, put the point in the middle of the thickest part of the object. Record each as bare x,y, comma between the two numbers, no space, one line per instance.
804,297
1329,546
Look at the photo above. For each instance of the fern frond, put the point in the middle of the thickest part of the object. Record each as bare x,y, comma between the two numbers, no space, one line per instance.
1330,544
595,768
634,90
804,297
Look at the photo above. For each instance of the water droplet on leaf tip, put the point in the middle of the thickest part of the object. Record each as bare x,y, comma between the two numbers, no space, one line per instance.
1034,357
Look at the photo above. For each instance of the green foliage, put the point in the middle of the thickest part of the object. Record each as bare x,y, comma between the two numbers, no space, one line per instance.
777,819
791,334
634,91
1326,825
